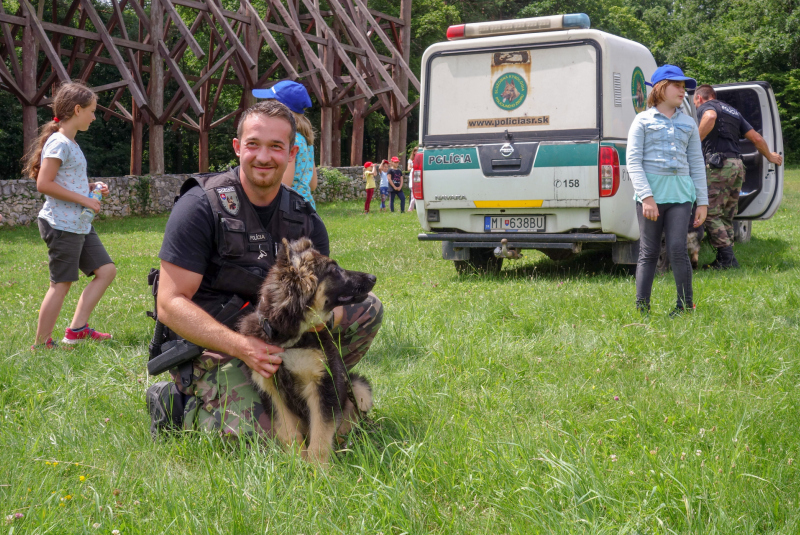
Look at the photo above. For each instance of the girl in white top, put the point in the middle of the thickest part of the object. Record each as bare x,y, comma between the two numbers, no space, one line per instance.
59,168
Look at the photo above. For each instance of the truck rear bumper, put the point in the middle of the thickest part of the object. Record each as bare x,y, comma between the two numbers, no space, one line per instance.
520,241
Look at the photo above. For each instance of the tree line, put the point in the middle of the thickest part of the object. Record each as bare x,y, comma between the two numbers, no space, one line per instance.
715,41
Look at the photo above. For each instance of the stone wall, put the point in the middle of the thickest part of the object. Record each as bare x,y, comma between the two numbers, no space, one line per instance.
132,195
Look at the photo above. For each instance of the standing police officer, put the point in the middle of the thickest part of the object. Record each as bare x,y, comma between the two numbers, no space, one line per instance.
721,128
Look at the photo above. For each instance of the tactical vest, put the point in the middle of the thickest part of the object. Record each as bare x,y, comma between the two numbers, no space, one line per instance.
724,137
244,249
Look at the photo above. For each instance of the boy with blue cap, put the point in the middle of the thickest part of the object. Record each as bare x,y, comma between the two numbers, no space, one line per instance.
301,174
666,167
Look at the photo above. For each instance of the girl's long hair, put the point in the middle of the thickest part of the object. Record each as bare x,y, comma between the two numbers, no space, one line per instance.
305,128
68,96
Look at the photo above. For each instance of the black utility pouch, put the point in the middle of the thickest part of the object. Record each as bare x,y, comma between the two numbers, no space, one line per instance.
716,160
232,240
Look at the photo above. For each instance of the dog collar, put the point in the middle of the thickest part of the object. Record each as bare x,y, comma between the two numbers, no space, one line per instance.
266,327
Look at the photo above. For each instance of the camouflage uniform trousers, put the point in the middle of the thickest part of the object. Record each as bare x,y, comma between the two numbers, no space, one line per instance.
224,400
724,186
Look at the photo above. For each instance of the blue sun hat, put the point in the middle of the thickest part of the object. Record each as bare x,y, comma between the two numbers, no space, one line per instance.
671,72
293,95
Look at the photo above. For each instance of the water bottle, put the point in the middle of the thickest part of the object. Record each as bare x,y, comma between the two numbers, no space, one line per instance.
87,215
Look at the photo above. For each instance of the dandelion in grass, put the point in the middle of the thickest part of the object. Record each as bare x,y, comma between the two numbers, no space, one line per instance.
82,479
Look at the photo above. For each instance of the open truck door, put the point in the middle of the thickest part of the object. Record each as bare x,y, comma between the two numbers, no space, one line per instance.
762,190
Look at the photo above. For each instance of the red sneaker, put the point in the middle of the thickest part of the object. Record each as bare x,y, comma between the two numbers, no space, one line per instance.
49,344
85,333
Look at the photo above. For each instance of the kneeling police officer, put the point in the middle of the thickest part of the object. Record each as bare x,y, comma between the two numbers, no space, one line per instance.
220,241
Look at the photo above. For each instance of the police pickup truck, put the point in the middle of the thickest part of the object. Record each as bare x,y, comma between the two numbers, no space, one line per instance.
523,130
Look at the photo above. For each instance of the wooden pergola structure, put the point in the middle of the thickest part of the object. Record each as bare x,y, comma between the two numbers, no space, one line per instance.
353,59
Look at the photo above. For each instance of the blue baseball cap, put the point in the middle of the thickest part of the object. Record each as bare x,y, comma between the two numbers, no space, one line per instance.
289,93
671,72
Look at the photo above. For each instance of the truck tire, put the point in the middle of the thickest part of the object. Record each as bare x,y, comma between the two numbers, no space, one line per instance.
742,231
481,262
558,254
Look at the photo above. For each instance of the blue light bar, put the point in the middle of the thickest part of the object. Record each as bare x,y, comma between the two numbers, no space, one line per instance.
576,20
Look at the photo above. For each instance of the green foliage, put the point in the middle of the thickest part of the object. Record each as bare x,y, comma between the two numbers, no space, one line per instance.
140,200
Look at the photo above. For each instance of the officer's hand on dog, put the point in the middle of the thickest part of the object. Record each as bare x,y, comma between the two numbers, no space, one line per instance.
700,215
649,209
260,357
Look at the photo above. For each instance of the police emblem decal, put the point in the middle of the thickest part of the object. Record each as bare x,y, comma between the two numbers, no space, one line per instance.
228,199
638,91
509,91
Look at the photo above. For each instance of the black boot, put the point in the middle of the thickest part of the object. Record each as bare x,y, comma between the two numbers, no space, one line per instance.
166,405
643,306
725,259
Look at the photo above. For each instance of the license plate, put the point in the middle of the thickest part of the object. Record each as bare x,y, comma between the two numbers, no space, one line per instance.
516,223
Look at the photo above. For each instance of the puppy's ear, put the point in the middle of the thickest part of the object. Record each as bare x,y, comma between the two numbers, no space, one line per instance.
287,249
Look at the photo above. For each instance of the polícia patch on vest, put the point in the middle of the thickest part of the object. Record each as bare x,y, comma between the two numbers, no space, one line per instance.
229,199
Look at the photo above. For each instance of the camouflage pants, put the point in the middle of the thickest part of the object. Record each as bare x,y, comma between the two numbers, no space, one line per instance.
724,185
223,398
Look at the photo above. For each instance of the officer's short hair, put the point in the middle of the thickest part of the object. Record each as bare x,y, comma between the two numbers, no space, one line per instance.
706,91
269,108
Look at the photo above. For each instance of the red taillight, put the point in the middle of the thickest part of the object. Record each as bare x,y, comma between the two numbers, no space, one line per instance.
456,32
609,171
416,176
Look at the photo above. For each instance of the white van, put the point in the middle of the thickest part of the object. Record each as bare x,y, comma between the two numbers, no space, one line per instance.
523,131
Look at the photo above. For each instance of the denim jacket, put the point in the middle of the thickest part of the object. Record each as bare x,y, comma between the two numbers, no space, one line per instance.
660,145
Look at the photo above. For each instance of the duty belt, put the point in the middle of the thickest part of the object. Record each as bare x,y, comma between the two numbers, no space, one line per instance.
734,155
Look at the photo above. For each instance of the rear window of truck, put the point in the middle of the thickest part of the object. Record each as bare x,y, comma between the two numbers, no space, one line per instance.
533,90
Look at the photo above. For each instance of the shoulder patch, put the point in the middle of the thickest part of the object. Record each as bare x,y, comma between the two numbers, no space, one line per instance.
229,199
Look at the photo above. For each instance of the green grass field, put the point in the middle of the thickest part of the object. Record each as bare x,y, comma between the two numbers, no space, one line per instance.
535,402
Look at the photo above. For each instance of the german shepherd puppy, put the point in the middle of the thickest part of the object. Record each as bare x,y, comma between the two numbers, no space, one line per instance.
309,393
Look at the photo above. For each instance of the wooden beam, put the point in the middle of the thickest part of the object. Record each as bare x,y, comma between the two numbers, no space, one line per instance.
144,18
376,13
306,48
397,54
106,87
201,6
125,112
44,42
232,37
43,89
112,112
94,36
114,100
7,79
273,44
133,87
367,46
220,121
179,97
176,18
124,30
178,75
340,51
8,39
12,19
184,124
